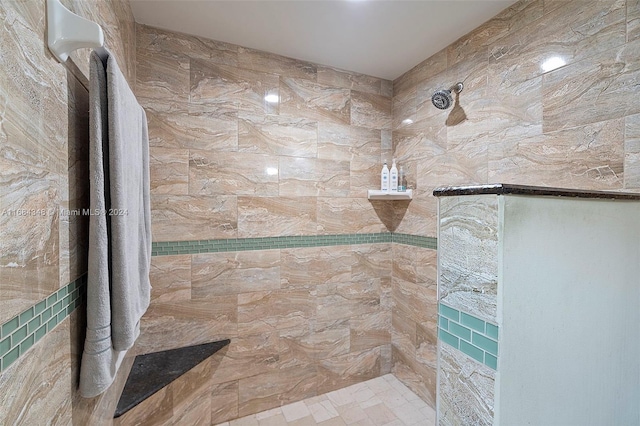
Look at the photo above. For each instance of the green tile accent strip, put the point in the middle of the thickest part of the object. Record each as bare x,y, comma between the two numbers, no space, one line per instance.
491,361
492,331
460,331
473,336
164,248
450,313
22,331
473,322
449,339
415,240
472,351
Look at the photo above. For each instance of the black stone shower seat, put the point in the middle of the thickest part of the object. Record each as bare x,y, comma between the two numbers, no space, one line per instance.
151,372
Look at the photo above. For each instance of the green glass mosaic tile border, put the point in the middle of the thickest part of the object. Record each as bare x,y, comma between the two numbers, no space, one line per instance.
415,240
266,243
471,335
24,330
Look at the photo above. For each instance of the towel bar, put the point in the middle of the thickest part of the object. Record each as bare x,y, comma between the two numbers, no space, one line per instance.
67,31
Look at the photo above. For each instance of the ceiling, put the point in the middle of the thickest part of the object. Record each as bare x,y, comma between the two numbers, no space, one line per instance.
382,38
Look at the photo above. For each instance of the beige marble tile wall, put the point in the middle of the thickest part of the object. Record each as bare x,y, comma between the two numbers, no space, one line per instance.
44,167
575,126
228,163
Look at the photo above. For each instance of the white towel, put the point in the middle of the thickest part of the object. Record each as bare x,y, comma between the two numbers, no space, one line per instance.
118,289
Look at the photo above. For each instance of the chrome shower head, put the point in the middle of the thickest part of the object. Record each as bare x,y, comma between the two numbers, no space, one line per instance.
442,99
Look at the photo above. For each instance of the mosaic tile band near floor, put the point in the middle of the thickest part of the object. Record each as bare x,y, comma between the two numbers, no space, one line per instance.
473,336
22,331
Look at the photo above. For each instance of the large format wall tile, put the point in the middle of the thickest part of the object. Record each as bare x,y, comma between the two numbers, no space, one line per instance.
371,111
169,171
258,60
232,88
303,98
592,90
340,142
276,216
313,177
162,82
347,216
188,218
237,173
589,157
217,274
574,31
350,80
205,131
296,137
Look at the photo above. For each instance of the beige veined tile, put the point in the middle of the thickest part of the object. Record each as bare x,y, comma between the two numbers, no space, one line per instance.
227,273
151,41
169,171
265,311
238,173
215,85
348,216
308,267
162,82
170,278
188,218
268,62
313,177
574,32
370,111
178,323
224,401
297,137
304,98
276,388
205,131
351,80
341,142
276,216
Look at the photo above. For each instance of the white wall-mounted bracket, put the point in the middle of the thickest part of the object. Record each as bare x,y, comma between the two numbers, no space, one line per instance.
67,31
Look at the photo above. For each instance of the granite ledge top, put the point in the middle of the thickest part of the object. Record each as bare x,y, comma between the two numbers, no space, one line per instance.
506,189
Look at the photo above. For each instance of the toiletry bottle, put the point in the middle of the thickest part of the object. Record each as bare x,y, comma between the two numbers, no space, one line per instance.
393,177
402,181
384,178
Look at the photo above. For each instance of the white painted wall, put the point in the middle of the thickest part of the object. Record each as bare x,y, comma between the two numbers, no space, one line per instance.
569,312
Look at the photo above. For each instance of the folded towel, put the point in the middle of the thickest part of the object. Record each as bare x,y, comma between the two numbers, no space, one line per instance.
118,289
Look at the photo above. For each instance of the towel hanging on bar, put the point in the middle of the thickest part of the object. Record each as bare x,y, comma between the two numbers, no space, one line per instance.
118,288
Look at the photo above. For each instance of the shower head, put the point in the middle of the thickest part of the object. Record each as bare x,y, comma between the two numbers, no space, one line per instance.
442,99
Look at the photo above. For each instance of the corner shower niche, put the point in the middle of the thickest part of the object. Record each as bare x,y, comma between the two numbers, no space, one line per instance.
538,292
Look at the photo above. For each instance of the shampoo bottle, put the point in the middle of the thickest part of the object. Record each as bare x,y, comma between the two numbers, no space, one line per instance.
393,177
384,178
402,181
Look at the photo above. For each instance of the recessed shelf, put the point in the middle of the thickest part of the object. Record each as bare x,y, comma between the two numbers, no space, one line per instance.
376,194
